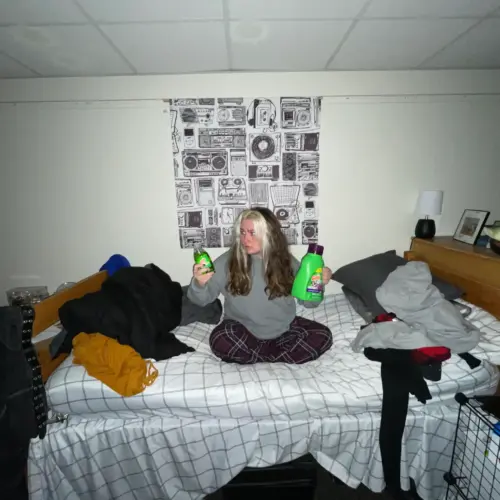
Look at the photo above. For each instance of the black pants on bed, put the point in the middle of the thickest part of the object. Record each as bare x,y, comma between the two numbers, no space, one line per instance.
401,376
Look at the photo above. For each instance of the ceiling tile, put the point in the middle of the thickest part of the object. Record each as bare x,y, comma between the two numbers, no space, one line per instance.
279,45
62,50
171,48
480,47
294,9
402,44
104,11
11,69
430,8
39,12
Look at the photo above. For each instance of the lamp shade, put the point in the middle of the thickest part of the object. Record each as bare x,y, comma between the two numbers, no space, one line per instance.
430,203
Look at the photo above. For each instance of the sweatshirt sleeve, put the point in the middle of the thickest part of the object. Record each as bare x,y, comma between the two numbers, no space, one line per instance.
307,304
203,295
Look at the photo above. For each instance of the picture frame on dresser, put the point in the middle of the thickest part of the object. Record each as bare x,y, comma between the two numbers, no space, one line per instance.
470,226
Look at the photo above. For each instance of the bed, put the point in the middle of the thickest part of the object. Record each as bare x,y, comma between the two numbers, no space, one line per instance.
203,422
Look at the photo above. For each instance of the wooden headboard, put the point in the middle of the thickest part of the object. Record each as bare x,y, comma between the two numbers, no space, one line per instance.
476,270
47,313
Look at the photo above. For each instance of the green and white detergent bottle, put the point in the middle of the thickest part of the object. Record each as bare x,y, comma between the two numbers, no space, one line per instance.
201,257
308,283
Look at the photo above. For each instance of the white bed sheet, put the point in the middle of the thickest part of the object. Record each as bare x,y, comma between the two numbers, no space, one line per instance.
198,385
186,459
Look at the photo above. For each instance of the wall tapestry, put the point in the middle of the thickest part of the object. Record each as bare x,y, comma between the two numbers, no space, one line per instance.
233,153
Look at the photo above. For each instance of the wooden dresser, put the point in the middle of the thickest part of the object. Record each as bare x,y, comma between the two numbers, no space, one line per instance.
476,270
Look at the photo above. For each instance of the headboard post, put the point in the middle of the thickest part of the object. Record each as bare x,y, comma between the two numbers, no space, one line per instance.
47,313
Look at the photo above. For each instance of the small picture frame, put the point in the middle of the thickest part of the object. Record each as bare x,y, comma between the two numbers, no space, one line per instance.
470,226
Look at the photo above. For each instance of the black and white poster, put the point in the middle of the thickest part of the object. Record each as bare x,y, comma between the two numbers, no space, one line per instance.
235,153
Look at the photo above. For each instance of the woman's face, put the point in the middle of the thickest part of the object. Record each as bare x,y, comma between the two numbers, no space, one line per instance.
249,240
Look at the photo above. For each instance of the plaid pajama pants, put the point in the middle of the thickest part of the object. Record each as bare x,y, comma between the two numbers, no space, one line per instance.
305,341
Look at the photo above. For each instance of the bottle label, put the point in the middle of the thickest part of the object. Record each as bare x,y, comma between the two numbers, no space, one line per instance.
315,284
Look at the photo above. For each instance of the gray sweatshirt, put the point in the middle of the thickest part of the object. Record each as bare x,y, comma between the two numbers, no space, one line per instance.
264,318
425,317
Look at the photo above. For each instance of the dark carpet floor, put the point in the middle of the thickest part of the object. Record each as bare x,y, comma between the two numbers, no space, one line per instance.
316,486
337,492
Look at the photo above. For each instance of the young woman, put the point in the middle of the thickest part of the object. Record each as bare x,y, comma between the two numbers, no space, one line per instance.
256,276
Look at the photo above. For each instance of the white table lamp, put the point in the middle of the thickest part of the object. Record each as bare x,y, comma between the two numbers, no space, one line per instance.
429,203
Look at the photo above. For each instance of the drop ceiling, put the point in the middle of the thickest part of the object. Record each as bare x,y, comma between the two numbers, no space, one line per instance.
66,38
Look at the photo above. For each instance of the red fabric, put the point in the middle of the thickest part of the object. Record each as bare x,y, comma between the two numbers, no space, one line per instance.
384,317
424,355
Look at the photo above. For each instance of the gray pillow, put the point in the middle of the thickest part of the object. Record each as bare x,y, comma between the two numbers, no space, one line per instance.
191,313
358,304
364,276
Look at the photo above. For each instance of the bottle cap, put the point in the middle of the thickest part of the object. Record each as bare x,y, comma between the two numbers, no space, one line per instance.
315,248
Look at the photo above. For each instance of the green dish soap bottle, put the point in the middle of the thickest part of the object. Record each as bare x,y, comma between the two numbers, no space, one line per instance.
308,283
201,257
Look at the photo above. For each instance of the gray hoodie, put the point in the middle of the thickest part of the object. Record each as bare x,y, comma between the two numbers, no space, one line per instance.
427,319
264,318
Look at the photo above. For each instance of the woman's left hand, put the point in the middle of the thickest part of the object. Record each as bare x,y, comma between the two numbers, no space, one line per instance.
327,275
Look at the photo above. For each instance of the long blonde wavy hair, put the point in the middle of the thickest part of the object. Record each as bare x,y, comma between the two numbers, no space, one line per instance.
276,257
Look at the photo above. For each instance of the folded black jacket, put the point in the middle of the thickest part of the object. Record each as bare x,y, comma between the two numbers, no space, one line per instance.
137,306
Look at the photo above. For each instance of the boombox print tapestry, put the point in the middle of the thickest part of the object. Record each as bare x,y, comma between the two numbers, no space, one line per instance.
235,153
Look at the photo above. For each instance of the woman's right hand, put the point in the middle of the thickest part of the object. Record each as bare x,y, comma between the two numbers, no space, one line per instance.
200,274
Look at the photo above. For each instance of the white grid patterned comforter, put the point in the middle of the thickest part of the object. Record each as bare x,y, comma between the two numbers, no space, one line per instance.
186,459
198,385
126,454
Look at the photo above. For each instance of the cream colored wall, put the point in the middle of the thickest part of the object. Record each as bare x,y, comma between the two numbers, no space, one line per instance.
82,180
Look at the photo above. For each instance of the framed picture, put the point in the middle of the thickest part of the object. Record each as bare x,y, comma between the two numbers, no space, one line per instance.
470,226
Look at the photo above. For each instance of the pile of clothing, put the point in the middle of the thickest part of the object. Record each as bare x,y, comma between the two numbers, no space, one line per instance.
116,332
419,332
